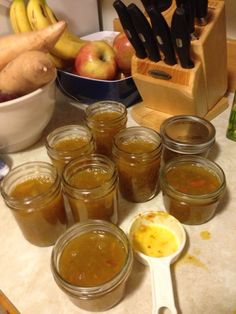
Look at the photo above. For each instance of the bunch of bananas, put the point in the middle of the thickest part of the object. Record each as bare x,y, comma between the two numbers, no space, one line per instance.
36,15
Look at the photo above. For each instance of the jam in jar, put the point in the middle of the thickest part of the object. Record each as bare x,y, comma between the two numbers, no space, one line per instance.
33,193
90,184
91,263
106,119
68,142
137,154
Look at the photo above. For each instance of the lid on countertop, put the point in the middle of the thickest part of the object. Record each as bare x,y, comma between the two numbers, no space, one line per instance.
188,134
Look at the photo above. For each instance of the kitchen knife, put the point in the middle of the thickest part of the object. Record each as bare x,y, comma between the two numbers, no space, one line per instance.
181,38
129,29
162,33
189,6
201,12
160,5
144,31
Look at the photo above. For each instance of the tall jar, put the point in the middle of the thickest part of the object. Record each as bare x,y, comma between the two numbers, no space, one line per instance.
137,154
68,142
33,193
186,135
90,186
110,263
106,119
192,187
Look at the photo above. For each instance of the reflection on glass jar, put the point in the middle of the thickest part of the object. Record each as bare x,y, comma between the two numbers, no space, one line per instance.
33,193
68,142
91,263
106,119
137,153
192,188
90,184
186,135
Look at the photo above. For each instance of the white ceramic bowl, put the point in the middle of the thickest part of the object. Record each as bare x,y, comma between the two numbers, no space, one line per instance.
23,119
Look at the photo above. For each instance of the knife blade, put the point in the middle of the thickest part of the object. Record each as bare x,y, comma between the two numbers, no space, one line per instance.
129,29
201,12
162,33
181,37
144,31
158,5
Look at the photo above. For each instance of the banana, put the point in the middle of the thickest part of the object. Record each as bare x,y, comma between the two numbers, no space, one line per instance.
65,48
18,17
52,17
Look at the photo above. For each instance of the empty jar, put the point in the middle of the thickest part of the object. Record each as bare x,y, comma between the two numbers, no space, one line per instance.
90,184
33,193
186,135
137,154
106,119
101,252
68,142
192,187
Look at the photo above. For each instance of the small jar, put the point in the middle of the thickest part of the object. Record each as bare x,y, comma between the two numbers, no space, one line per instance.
33,193
106,119
186,135
137,154
192,187
90,186
68,142
105,252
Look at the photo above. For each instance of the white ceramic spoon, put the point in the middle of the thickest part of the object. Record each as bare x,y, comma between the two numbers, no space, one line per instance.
162,290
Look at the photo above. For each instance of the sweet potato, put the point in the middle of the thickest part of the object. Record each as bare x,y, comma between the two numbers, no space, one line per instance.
26,73
14,44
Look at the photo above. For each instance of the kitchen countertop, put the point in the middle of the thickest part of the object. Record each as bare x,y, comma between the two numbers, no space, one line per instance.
204,278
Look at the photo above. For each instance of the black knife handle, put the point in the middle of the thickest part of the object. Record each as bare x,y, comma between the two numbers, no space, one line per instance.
190,7
144,31
160,5
201,11
181,38
129,29
162,33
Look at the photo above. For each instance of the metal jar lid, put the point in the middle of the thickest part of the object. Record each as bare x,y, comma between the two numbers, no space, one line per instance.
187,134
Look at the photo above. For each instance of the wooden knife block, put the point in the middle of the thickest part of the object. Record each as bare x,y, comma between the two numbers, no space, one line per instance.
198,91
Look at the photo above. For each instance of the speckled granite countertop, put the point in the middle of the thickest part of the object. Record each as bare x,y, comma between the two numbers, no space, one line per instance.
204,277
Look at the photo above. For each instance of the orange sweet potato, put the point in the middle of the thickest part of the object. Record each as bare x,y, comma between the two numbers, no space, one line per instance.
26,73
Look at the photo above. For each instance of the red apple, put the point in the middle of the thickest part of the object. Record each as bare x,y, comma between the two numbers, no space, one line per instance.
96,59
124,52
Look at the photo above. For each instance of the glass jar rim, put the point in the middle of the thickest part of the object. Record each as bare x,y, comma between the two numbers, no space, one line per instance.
12,201
140,131
97,159
107,105
91,292
200,142
202,161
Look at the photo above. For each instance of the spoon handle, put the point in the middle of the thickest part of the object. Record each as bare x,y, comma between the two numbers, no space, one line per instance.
162,289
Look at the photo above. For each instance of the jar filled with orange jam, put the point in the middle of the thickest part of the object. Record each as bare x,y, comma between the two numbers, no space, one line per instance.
68,142
192,188
33,193
91,263
106,119
137,154
90,186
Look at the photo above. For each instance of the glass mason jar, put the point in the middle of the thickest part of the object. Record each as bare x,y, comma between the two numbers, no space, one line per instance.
192,187
90,185
68,142
105,119
106,294
137,154
33,193
186,135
